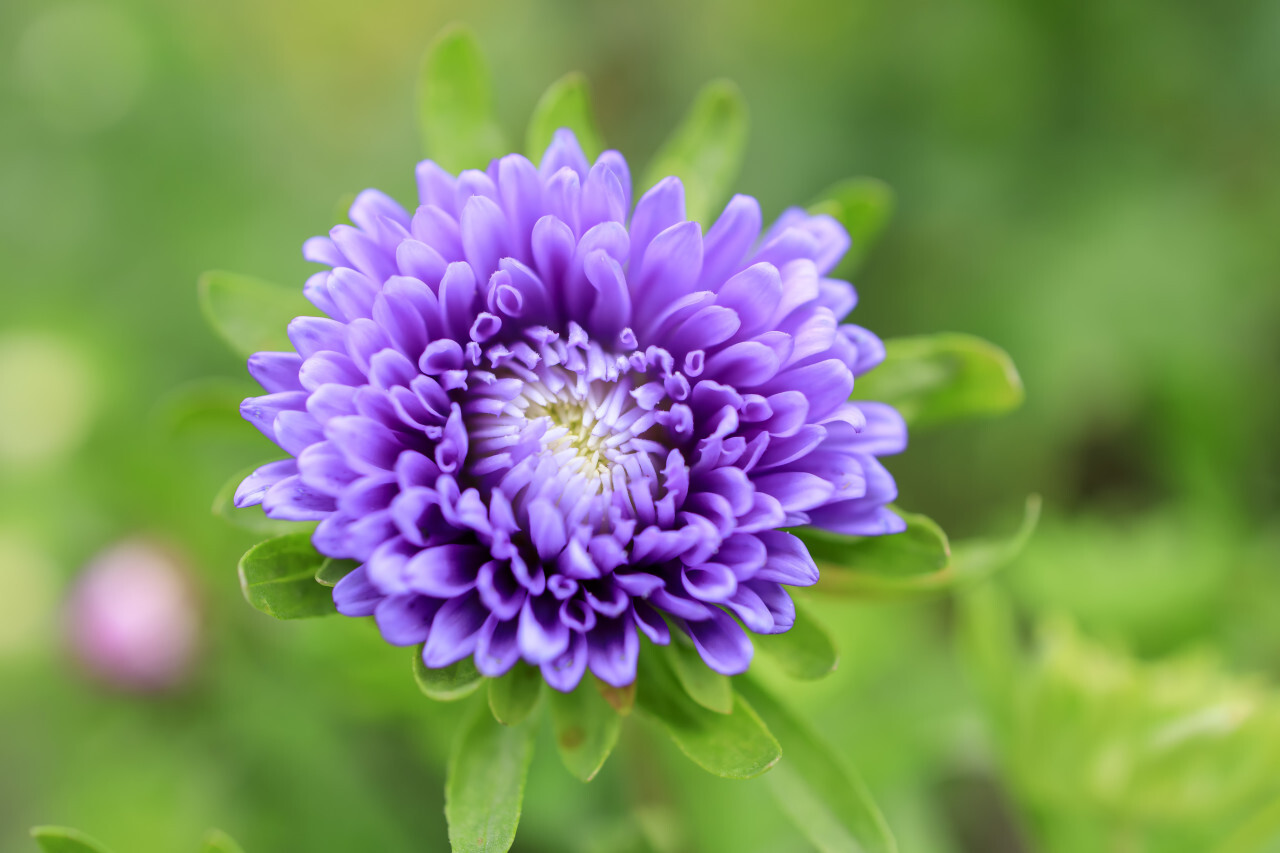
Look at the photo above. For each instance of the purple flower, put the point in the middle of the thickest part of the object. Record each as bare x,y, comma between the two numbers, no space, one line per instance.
545,422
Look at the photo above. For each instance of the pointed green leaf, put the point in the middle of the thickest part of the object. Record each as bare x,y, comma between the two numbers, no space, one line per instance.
250,517
828,802
621,699
974,559
278,577
331,571
515,694
250,314
863,206
566,103
735,745
448,683
455,100
936,378
806,651
704,685
217,841
61,839
586,729
485,785
205,406
916,560
705,152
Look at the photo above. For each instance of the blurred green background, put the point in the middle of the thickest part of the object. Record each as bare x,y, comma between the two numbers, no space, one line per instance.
1092,185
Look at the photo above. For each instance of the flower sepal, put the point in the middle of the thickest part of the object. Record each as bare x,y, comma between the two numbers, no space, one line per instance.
279,577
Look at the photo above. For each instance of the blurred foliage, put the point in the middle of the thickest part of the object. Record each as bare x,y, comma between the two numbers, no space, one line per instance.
1092,186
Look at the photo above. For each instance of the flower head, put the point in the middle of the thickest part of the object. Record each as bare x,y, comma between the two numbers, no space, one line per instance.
545,423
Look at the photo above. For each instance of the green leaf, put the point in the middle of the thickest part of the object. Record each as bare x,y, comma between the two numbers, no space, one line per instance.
485,785
914,561
455,101
704,685
828,802
975,559
936,378
705,151
515,694
449,683
586,728
205,407
250,314
566,103
920,560
806,651
217,841
735,745
331,571
61,839
278,577
863,206
622,699
250,517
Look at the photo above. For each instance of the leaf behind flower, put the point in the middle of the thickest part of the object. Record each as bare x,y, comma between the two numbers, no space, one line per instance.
586,729
62,839
806,651
278,577
250,314
455,104
826,800
736,745
863,206
485,784
933,379
705,152
566,103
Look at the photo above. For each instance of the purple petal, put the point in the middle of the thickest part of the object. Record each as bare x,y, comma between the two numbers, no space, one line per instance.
496,647
566,670
445,570
612,650
405,620
255,486
355,596
722,643
455,631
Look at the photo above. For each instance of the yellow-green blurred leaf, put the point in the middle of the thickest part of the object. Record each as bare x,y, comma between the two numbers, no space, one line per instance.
705,152
61,839
806,651
217,841
250,314
932,379
566,103
704,685
827,801
448,683
485,783
513,696
735,745
586,729
455,101
863,206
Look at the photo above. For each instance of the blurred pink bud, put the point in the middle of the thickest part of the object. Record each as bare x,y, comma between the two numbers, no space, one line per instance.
133,619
